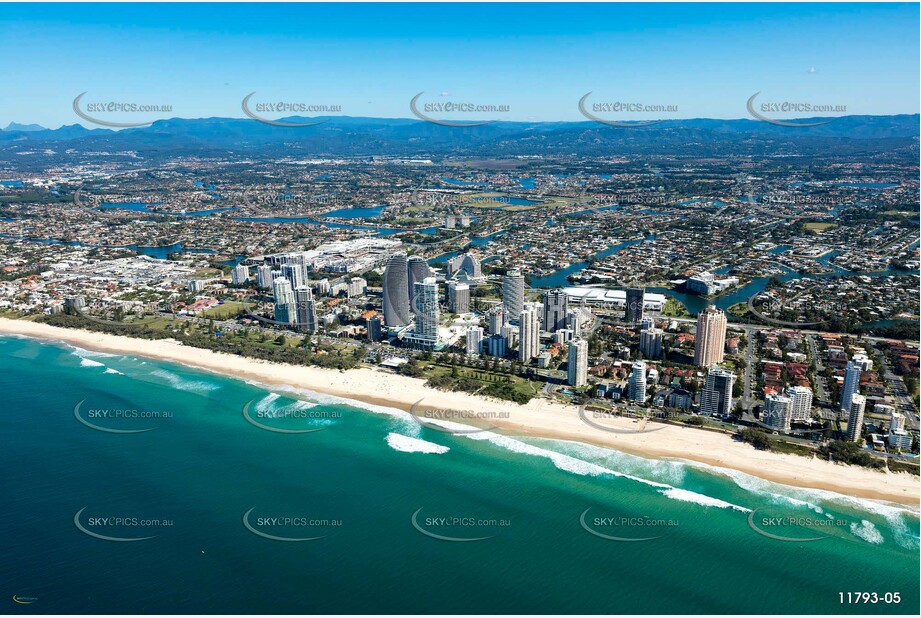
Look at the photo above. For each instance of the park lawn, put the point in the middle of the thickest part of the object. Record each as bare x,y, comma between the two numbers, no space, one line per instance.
520,384
222,312
818,227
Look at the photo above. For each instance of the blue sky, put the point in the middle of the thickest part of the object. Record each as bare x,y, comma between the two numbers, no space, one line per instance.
538,59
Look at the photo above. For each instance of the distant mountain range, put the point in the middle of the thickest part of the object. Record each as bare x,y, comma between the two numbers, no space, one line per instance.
15,126
344,135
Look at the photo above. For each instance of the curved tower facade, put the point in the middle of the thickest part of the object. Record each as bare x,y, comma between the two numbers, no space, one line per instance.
513,293
417,271
396,291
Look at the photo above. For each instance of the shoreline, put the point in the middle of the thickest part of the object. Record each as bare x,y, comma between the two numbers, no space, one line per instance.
538,418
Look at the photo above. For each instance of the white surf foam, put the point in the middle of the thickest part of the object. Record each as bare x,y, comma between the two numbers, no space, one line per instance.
676,493
867,531
88,362
405,444
406,423
115,371
803,496
902,519
668,471
180,383
574,465
84,353
266,406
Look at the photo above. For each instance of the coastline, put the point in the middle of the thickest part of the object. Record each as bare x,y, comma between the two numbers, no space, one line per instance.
539,418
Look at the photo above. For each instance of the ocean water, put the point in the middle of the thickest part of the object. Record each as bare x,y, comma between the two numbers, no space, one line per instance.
391,510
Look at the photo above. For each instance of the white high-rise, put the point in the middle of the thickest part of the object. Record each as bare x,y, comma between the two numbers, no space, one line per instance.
458,297
574,322
899,439
425,309
284,301
513,293
294,274
778,412
896,421
474,340
882,409
578,363
637,390
855,417
564,335
851,385
529,336
264,276
357,286
651,342
239,274
510,333
496,320
863,361
801,398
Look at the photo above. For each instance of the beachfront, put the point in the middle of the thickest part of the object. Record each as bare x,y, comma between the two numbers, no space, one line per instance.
537,418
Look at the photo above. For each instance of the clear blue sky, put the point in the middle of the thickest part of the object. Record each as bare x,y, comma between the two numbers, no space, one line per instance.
537,58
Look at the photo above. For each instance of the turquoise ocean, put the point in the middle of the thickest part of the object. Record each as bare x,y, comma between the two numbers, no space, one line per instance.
133,485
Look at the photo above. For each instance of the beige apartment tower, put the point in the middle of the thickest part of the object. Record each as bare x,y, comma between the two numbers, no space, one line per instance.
711,337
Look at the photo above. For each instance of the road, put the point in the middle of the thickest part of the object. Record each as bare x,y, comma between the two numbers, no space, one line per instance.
748,378
822,399
902,398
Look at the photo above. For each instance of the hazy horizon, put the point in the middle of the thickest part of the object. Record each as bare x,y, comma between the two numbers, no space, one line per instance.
538,60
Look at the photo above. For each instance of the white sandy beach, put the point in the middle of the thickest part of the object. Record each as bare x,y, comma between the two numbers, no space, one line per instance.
538,418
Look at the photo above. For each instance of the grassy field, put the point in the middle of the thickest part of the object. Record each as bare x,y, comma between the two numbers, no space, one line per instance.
222,312
673,308
498,201
818,228
485,377
898,213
